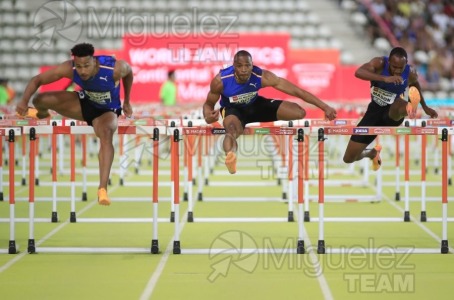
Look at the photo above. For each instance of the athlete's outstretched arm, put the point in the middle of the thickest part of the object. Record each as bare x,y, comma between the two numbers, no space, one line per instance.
283,85
210,114
62,70
371,70
125,73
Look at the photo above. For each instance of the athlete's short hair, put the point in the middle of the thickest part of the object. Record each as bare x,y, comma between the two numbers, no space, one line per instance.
82,50
242,53
399,52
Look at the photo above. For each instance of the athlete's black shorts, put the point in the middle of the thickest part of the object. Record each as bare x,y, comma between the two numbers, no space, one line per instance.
261,110
90,111
375,115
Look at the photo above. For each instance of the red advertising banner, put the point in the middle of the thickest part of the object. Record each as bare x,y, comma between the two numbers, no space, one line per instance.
197,59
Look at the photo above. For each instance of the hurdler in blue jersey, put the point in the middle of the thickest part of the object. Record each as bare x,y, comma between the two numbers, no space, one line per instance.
237,89
392,82
98,103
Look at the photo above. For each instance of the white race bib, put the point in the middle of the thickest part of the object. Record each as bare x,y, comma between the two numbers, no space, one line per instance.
243,98
382,97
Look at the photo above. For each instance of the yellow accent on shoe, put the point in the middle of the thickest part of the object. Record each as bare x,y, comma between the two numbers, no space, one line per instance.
376,161
103,199
230,162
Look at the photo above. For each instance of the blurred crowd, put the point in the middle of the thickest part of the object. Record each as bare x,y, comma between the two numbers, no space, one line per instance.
425,28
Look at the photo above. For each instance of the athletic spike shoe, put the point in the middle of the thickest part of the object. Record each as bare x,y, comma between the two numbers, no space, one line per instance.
414,99
230,162
103,199
32,113
376,161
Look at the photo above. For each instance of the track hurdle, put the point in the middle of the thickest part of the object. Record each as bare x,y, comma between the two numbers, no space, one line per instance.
11,133
444,132
176,132
72,130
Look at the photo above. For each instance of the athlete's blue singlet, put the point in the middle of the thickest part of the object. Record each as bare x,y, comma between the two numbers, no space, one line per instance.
239,94
101,89
384,93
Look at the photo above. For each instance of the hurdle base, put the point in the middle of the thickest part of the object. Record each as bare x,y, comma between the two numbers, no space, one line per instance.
199,197
54,217
284,196
423,216
300,247
172,216
407,216
37,181
206,181
290,217
190,216
397,198
449,181
185,196
176,247
1,196
122,182
31,249
307,217
154,246
72,217
436,171
24,182
109,182
84,196
12,247
321,247
444,247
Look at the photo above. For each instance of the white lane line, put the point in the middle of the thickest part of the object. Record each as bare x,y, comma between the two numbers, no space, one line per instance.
151,284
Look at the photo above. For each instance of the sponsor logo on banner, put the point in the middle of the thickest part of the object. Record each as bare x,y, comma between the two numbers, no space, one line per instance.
194,131
403,130
337,131
284,131
340,122
218,131
361,130
262,131
426,130
381,131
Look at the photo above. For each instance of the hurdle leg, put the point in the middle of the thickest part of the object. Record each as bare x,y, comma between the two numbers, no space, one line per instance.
407,179
190,152
37,143
397,195
31,193
423,217
300,244
321,191
54,217
306,146
176,195
200,169
444,196
290,217
84,167
72,143
24,162
12,201
154,240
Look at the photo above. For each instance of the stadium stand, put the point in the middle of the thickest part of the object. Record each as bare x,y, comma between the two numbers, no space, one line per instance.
310,23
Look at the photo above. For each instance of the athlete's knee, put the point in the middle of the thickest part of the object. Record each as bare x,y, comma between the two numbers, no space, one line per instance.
301,113
39,100
348,158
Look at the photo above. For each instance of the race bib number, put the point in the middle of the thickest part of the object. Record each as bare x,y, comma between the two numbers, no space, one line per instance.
243,98
99,97
382,97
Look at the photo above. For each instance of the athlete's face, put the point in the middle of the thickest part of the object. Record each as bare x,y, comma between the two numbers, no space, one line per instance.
85,66
243,68
397,65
